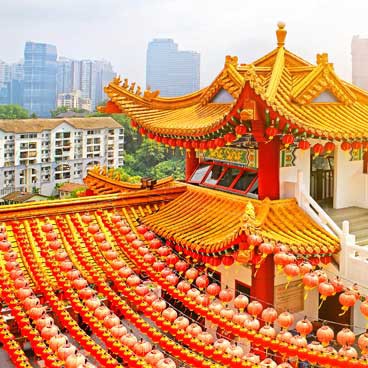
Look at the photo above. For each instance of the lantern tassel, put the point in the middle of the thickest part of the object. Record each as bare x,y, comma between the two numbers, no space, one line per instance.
344,310
322,301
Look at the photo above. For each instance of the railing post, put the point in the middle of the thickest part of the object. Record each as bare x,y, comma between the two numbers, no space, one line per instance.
299,188
347,240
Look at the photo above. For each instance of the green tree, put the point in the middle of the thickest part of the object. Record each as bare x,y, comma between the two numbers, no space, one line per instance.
13,112
58,110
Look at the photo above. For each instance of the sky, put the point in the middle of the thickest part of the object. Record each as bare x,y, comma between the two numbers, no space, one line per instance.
119,30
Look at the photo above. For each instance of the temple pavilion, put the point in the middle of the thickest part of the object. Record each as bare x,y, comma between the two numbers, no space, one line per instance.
235,267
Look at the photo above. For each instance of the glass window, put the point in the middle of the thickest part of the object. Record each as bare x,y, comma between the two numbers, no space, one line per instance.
215,175
200,173
244,180
254,188
229,177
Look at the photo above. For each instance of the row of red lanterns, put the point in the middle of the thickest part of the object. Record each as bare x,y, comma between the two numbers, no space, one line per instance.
343,352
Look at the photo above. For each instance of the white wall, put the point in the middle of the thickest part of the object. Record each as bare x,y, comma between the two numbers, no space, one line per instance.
351,185
288,174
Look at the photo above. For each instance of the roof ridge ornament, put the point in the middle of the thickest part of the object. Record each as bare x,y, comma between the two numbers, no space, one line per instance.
281,34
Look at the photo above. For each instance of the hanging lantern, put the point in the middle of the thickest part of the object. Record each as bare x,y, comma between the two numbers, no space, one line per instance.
303,145
287,140
356,145
202,281
345,337
240,130
254,308
241,302
226,295
325,334
304,327
271,131
213,289
363,343
365,146
329,147
291,270
227,260
269,315
219,142
364,308
317,149
310,280
183,286
325,289
345,146
229,137
285,320
337,284
347,299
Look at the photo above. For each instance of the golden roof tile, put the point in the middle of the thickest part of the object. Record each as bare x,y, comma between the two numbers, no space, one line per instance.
193,220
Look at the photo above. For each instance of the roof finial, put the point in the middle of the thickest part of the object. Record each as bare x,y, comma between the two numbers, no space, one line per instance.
281,34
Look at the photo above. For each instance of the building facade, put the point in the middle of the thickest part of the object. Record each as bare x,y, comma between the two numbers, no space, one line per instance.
40,69
87,76
38,154
74,100
173,72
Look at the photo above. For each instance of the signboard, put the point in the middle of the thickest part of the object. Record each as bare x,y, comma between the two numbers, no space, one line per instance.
289,298
247,157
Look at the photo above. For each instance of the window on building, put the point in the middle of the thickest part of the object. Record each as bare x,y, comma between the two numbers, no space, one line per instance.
241,288
222,176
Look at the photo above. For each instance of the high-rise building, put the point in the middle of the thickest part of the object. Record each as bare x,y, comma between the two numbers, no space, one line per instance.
359,54
88,76
40,69
173,72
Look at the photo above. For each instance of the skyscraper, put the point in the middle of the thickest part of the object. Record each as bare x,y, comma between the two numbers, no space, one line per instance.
88,76
359,54
173,72
40,70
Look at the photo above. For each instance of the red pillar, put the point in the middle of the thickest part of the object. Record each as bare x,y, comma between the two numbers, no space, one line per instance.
263,280
191,163
269,169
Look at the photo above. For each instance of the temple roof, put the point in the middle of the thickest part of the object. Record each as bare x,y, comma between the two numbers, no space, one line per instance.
193,220
309,97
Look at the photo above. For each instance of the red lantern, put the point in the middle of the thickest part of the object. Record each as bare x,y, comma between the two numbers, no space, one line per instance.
364,308
326,289
202,281
226,295
337,284
170,314
347,299
183,286
345,146
363,343
287,140
356,145
241,302
325,334
213,289
219,142
269,315
254,308
240,130
227,260
229,137
304,327
317,149
329,147
310,280
285,320
93,228
172,259
191,274
271,131
303,145
365,146
345,337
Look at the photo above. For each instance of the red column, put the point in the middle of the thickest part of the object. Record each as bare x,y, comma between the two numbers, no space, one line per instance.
191,163
263,280
269,169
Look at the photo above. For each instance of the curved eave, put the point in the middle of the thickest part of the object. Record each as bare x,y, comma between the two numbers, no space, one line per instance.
193,221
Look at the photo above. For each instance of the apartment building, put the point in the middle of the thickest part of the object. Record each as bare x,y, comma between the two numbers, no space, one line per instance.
37,154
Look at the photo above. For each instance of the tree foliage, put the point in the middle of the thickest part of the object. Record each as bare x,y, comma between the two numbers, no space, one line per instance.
144,157
13,112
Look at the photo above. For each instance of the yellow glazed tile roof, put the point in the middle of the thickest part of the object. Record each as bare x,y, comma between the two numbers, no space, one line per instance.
208,221
284,83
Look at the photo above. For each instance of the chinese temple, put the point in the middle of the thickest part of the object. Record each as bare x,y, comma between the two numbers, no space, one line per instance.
238,266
